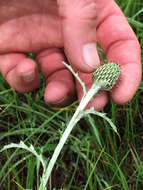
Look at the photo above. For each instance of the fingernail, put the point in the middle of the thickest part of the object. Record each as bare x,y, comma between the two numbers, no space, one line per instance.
90,55
60,101
29,77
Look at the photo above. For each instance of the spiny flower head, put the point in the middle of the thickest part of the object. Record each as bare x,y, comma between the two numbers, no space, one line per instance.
107,75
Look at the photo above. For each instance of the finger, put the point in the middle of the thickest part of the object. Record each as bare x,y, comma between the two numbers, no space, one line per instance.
20,72
29,29
60,88
79,33
98,101
128,83
120,45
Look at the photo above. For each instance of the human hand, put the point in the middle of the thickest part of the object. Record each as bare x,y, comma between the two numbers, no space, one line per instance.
32,26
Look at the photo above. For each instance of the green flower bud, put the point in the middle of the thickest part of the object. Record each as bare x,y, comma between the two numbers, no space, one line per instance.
107,75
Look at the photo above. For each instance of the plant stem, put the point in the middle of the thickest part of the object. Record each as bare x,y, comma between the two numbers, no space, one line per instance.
85,100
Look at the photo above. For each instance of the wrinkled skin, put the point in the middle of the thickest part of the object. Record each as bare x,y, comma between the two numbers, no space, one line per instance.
58,30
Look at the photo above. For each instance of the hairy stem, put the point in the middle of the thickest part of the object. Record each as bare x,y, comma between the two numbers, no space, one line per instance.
86,99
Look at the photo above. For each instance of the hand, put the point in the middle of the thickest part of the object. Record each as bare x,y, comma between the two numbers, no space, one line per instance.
44,28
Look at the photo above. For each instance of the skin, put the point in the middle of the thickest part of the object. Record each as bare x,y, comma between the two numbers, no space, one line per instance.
58,30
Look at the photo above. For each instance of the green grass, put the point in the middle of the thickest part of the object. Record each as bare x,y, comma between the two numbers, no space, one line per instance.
93,158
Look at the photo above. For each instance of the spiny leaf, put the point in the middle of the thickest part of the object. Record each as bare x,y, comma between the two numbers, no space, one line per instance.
30,149
103,115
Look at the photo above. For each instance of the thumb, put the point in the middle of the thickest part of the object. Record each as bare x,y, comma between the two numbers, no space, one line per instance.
78,19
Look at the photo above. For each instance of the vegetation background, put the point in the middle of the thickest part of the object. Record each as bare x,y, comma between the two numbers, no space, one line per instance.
94,158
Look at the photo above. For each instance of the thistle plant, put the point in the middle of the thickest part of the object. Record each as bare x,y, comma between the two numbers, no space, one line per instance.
104,78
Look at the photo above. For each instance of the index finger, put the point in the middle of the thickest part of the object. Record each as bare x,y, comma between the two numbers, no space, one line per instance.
120,45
